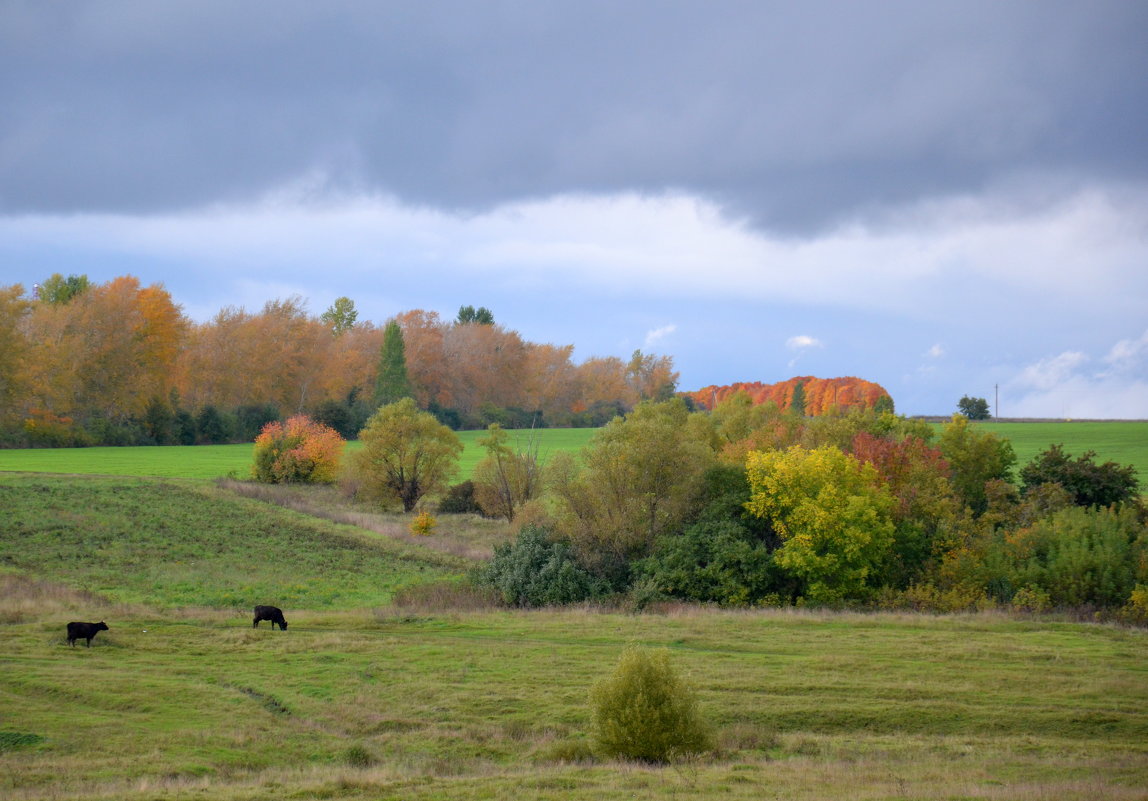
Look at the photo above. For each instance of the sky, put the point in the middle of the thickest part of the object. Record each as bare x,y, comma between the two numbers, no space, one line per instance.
945,198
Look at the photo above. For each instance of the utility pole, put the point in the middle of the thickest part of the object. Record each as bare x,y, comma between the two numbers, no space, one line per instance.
997,400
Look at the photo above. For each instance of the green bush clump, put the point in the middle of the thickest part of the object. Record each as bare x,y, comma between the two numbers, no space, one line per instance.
534,571
644,712
459,500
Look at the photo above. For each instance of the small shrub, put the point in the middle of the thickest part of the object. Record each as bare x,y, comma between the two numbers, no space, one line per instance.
533,571
424,524
358,757
1031,599
459,500
646,713
1135,611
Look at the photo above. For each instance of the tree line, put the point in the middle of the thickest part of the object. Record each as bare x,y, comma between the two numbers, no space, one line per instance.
120,363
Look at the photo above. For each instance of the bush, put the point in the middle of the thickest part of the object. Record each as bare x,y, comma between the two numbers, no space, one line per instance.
301,451
1079,556
459,500
533,571
644,712
423,525
1135,611
1031,599
1089,483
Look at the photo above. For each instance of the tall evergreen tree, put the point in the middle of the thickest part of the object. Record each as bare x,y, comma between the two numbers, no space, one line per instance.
392,383
797,403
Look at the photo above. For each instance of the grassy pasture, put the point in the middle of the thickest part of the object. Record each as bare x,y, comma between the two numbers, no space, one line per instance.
360,698
1121,442
217,461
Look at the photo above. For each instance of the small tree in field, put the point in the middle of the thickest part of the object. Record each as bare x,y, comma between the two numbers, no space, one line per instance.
645,712
974,408
406,454
506,478
299,451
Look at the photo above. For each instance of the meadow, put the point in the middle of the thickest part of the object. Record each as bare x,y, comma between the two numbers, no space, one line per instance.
219,461
381,690
1122,442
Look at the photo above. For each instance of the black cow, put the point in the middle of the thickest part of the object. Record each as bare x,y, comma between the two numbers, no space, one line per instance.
85,630
272,613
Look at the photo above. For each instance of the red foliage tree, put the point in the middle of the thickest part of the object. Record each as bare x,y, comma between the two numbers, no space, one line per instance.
821,394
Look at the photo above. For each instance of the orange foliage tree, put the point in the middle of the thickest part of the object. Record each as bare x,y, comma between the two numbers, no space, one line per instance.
821,394
298,451
105,352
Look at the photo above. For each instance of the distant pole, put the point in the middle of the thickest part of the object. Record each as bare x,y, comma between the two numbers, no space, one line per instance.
997,400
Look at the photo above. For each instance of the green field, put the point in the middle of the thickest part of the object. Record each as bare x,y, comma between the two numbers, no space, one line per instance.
364,698
1121,442
218,461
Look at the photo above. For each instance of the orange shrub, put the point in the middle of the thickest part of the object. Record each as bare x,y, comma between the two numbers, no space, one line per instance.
299,451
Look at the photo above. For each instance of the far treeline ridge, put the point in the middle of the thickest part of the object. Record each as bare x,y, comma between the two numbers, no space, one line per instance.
121,364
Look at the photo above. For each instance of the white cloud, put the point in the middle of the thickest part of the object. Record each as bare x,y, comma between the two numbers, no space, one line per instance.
1129,355
933,259
936,351
1064,386
802,341
1050,373
652,337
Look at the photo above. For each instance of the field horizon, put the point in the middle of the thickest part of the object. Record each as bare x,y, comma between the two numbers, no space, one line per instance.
1124,442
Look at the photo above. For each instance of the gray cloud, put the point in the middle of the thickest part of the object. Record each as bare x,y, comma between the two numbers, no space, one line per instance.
791,117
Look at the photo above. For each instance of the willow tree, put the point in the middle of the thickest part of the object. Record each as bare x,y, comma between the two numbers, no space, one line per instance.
405,454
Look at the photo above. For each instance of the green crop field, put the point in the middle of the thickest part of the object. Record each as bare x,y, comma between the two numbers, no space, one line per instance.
1121,442
218,461
364,698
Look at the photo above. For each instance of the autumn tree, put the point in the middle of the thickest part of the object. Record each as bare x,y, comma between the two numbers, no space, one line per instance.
14,310
832,514
974,458
105,353
392,383
298,451
405,454
642,477
340,317
506,478
926,509
651,377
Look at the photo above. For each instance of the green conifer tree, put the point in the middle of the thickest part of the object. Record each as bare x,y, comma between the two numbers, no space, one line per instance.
392,383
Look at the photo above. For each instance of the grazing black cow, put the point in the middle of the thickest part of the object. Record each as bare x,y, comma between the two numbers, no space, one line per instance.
86,630
272,613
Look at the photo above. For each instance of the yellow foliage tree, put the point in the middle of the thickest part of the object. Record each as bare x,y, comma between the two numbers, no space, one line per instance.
832,513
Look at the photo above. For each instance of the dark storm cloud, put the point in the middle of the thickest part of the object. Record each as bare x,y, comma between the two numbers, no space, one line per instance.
792,116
